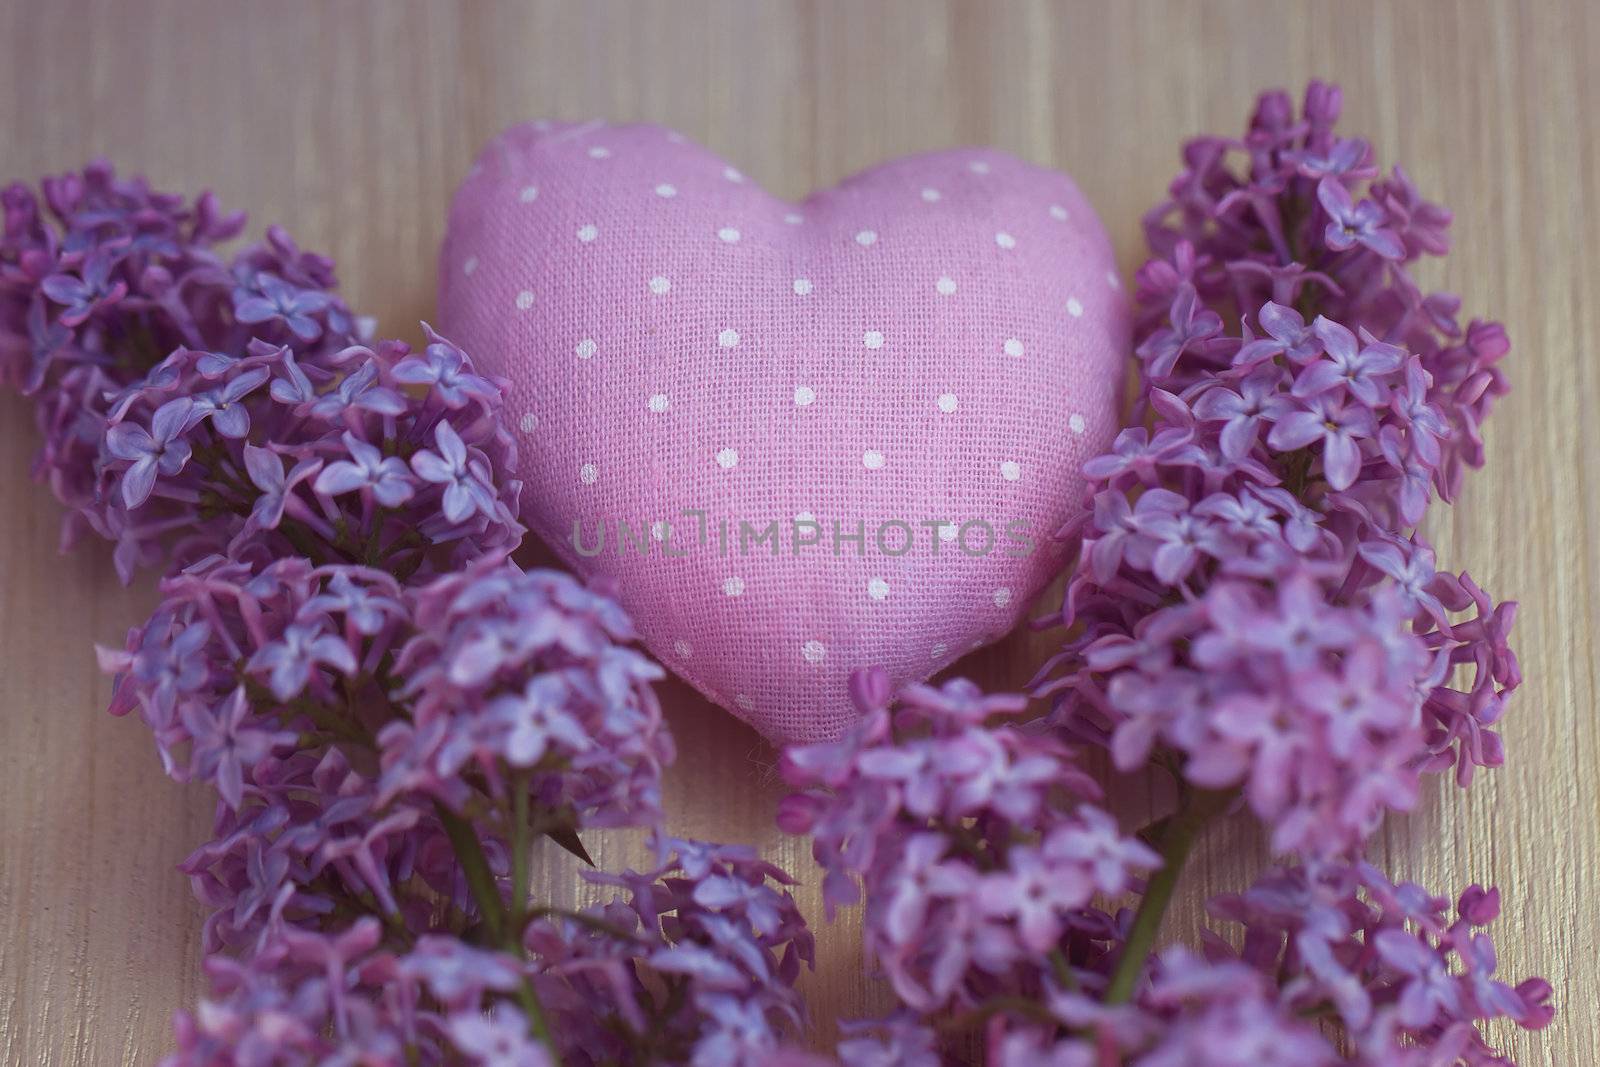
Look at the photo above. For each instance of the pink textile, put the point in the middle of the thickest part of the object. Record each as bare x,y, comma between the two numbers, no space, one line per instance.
937,343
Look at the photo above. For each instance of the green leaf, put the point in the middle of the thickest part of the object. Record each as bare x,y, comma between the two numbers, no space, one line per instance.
568,839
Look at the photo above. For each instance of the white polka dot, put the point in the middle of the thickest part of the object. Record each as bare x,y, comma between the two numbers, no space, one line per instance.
588,474
1002,597
729,234
659,403
529,423
793,219
666,191
681,647
744,702
524,300
947,403
732,175
938,650
1011,470
599,152
945,285
872,459
1112,279
813,651
469,266
732,586
1058,212
877,589
660,531
1074,308
872,339
1005,240
930,195
949,532
1012,347
978,166
866,237
728,338
529,194
804,516
588,232
1076,423
804,395
727,459
660,285
802,286
586,348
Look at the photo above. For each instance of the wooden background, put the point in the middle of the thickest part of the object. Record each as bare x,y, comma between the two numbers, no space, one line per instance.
350,123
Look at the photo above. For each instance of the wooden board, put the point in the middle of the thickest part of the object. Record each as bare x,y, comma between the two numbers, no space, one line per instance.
351,123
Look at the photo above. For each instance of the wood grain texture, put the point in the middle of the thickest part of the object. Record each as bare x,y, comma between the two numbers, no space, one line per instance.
350,124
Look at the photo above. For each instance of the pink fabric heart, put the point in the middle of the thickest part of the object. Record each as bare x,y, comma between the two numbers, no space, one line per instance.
929,351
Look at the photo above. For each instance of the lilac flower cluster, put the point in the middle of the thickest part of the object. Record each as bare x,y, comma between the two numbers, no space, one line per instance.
1253,613
1253,601
1253,609
100,284
976,843
394,716
694,964
1330,945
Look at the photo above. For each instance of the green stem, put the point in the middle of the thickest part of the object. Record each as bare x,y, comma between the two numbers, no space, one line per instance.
1177,840
480,879
1063,971
475,867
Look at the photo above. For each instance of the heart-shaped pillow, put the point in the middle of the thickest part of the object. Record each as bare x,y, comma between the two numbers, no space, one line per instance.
803,438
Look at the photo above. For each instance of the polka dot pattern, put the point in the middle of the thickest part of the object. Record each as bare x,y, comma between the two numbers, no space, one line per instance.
676,340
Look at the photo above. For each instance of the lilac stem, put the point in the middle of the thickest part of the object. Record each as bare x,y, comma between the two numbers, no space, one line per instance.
1182,831
480,879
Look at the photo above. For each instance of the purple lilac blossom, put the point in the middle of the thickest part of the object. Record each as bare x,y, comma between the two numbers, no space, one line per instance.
1254,603
974,842
388,709
1254,613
